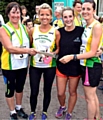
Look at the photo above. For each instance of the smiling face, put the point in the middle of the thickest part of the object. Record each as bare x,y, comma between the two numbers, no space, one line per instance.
68,18
88,11
45,16
14,15
24,11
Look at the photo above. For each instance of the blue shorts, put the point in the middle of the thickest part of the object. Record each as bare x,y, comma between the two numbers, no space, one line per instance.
101,57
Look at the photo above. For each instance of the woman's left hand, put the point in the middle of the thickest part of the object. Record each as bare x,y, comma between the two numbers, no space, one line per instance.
98,53
66,59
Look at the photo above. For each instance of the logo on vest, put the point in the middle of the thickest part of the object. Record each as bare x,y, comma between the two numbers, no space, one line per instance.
77,39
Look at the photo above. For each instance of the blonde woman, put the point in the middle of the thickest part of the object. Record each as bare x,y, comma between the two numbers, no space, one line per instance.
45,39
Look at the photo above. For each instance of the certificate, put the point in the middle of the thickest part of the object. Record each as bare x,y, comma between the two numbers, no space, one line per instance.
47,54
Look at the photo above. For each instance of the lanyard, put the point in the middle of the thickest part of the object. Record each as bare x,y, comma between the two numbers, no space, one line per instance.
19,36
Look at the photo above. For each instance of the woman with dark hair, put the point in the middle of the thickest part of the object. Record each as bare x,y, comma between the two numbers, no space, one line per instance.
14,59
24,15
91,66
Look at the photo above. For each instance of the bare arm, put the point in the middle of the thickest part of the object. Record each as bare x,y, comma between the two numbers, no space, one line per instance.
57,42
5,39
97,33
30,32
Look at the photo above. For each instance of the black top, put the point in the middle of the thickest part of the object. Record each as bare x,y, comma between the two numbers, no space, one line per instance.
70,44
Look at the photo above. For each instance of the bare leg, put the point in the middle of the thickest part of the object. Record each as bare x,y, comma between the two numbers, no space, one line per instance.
19,98
10,102
90,93
73,84
97,106
61,88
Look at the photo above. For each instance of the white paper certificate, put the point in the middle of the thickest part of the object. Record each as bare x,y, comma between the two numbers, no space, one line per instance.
47,54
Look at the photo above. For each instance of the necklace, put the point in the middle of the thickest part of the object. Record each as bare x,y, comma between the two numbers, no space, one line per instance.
19,36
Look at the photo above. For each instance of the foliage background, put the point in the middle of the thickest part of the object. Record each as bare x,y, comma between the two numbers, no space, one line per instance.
30,5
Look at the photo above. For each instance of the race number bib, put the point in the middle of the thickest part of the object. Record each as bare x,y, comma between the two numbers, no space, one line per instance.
39,57
21,56
82,49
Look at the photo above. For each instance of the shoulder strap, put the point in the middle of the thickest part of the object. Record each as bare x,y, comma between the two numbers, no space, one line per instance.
8,31
24,27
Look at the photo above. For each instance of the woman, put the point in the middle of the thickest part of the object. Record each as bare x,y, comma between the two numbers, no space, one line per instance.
36,20
58,22
24,15
91,41
45,40
68,73
14,59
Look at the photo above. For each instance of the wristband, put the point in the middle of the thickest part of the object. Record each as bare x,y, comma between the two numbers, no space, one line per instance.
75,57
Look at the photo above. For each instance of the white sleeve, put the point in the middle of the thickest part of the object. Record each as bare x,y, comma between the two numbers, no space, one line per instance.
34,17
1,19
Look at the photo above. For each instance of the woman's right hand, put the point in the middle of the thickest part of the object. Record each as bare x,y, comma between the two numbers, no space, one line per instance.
65,59
32,51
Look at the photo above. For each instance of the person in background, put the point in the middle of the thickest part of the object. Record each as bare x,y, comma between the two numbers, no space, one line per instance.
1,20
16,48
24,15
58,22
36,20
91,66
68,73
45,40
1,23
29,23
77,6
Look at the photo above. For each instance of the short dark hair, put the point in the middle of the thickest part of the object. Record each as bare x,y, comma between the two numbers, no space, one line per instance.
28,20
10,6
92,2
75,2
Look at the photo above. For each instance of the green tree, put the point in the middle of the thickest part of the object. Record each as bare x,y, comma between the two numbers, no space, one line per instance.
30,5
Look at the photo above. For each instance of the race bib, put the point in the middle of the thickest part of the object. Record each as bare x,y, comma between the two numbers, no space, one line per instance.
82,49
21,56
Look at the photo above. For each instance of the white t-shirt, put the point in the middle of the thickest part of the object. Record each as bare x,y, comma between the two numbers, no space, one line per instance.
2,20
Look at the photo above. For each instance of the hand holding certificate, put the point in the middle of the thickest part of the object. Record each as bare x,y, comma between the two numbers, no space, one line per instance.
47,54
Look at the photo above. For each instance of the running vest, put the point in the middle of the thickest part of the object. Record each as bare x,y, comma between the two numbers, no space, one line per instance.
44,42
36,20
86,46
77,22
15,61
58,23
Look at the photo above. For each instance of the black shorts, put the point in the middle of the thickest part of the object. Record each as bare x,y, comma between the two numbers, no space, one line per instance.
14,80
94,74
